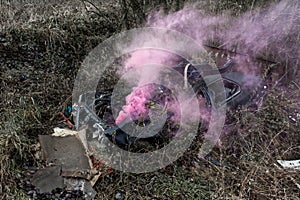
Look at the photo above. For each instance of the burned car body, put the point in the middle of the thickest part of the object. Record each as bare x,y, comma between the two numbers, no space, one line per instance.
240,90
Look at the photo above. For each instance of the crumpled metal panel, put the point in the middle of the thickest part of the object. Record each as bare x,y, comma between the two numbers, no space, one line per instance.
71,166
66,151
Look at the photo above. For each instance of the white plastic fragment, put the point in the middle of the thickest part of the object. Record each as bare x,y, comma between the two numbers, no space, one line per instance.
62,132
295,164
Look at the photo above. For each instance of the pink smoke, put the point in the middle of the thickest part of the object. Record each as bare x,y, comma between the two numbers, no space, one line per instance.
271,33
135,107
149,56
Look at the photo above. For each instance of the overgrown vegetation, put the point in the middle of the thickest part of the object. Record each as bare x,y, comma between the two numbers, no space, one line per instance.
41,49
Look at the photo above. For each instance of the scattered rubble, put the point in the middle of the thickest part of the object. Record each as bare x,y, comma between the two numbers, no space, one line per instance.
68,167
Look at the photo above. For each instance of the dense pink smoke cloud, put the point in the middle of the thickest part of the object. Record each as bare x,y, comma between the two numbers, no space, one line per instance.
135,107
271,33
149,56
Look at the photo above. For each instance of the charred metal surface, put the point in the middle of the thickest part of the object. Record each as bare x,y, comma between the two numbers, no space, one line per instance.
66,151
48,179
71,170
86,174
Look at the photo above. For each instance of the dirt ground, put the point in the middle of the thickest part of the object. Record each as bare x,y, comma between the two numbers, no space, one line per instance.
41,50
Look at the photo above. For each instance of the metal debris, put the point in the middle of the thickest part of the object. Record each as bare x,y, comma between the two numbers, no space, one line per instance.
66,151
293,164
295,117
290,164
80,184
68,164
48,179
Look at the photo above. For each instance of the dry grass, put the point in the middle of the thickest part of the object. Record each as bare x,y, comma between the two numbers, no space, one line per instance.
253,151
40,52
